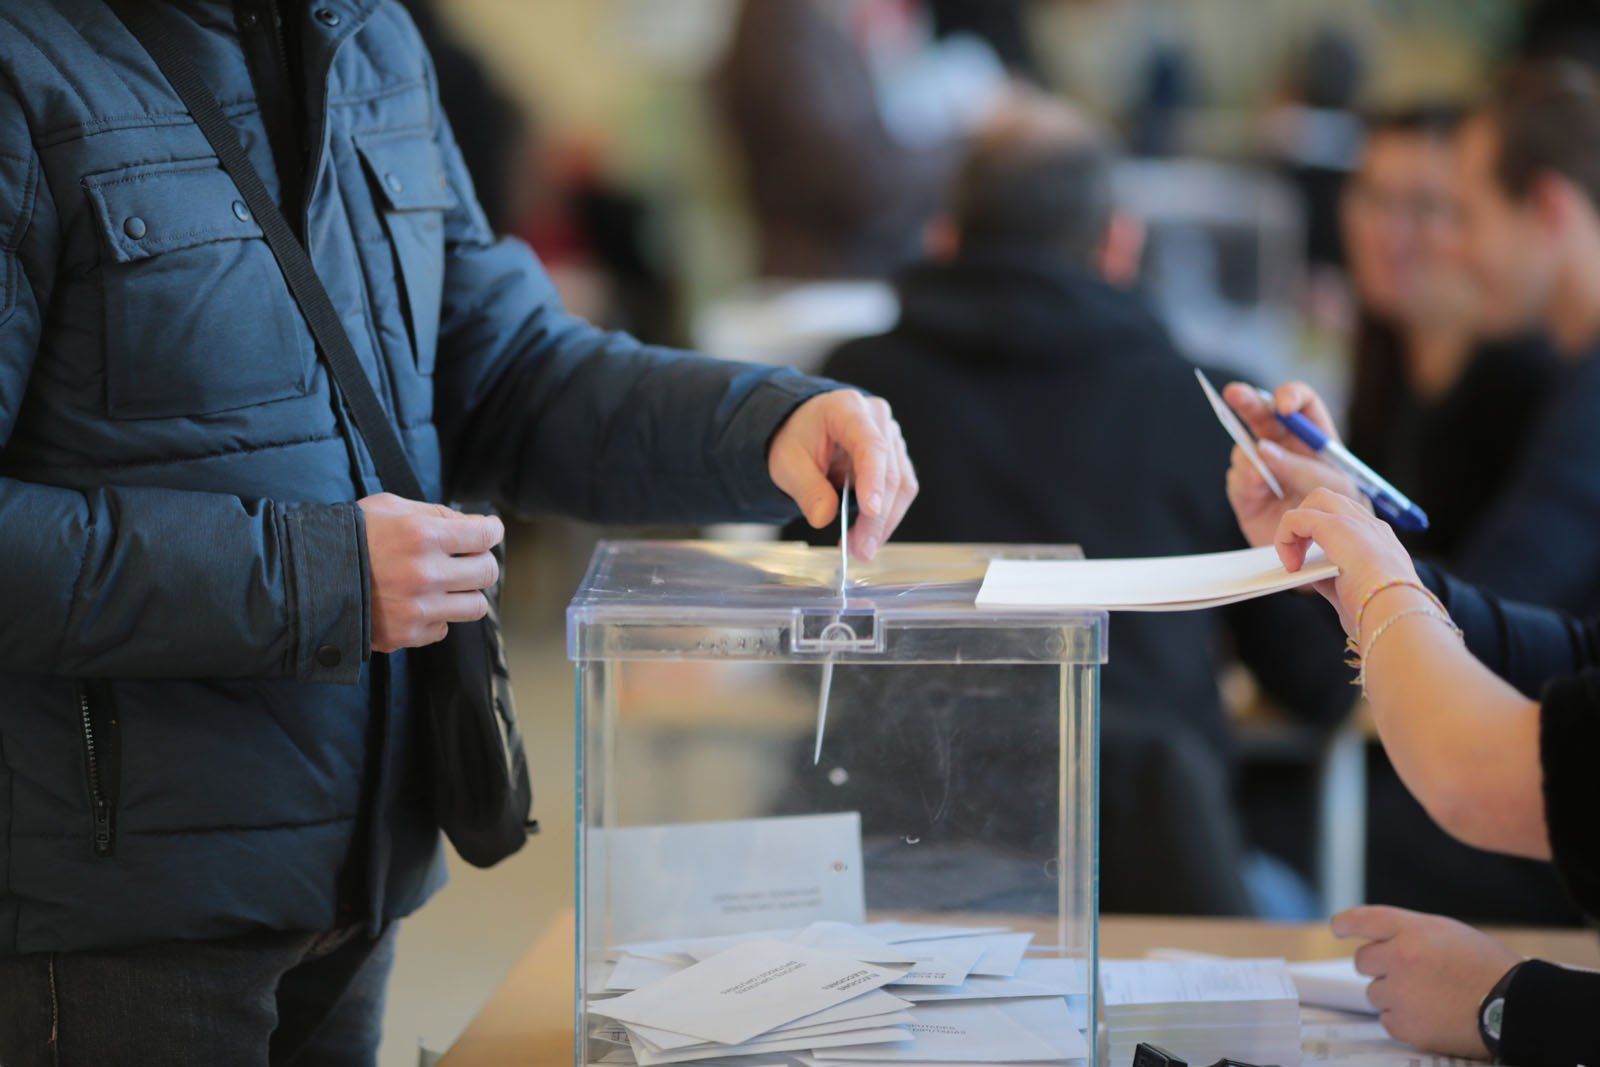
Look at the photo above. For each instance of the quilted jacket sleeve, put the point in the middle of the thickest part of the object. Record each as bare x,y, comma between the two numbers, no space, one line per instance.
542,412
144,582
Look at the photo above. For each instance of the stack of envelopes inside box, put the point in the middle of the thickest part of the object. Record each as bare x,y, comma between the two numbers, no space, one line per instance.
837,994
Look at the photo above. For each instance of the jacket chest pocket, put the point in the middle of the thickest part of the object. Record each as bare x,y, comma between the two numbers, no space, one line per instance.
412,194
198,318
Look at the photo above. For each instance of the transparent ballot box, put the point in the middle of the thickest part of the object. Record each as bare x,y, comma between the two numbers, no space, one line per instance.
925,878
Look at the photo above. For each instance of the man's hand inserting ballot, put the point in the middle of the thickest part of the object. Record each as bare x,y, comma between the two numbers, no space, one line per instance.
845,434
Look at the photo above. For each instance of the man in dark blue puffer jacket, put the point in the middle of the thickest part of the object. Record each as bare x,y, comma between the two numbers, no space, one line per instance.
212,803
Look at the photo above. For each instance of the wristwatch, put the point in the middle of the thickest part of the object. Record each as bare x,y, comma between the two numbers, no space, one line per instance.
1492,1012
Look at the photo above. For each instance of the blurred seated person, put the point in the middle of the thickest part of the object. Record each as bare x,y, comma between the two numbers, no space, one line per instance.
1048,405
1440,409
848,117
1446,417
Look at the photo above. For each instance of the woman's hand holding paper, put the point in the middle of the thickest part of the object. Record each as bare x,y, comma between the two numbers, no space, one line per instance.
1363,546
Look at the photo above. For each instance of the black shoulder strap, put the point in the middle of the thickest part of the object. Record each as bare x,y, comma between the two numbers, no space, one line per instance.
383,441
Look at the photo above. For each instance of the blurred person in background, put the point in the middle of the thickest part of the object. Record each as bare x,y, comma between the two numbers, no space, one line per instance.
1526,187
1497,741
1049,405
1441,410
1314,131
1446,416
848,117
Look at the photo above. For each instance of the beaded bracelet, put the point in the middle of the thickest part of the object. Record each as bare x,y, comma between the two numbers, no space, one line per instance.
1397,583
1359,661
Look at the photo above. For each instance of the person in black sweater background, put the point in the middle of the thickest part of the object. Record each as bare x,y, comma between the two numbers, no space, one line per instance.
1446,415
1490,710
1048,405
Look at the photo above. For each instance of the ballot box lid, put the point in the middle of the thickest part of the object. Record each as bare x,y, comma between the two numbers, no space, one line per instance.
767,601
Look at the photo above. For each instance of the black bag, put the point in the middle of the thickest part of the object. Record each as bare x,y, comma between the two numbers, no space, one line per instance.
482,792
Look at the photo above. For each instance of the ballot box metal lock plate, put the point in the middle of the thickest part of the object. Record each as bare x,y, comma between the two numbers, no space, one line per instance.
825,632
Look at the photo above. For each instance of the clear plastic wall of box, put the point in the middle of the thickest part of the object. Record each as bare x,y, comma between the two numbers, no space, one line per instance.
957,777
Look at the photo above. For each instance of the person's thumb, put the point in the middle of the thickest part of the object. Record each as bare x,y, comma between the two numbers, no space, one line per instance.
796,473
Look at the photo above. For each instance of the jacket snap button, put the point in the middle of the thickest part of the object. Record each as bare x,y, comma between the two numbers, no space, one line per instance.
393,183
134,227
328,656
240,212
327,17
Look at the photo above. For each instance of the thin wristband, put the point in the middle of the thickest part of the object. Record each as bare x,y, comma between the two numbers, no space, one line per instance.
1396,583
1364,657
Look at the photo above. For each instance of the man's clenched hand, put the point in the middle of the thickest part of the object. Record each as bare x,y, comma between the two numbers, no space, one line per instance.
429,565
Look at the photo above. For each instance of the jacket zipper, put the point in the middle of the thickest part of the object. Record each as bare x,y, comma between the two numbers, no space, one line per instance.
99,800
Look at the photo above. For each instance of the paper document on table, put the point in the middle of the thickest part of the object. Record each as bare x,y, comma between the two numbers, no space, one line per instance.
711,878
1332,984
1160,583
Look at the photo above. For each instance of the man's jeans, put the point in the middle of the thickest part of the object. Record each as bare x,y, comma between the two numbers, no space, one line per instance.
311,1000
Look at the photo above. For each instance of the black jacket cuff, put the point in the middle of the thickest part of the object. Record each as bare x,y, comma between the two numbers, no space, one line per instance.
330,591
760,417
1549,1017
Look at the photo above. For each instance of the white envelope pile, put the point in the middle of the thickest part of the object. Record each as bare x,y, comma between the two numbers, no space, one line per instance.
1201,1010
841,995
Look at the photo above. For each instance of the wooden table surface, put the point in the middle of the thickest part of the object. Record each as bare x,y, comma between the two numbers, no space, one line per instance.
528,1021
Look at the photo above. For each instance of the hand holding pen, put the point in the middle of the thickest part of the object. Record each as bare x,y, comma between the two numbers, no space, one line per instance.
1301,447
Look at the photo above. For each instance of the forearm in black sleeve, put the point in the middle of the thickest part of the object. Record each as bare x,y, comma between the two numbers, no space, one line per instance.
1569,742
1549,1017
1525,644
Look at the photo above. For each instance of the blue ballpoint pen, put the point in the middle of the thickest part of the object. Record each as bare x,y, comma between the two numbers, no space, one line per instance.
1390,503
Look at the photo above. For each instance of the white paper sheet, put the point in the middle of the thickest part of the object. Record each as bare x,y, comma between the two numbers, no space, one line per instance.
895,932
1034,978
1240,435
656,1041
872,1011
1023,1031
634,972
712,878
1201,981
1332,984
746,991
1161,583
798,1044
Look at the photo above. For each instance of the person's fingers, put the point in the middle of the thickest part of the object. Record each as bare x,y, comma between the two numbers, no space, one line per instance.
852,425
1257,414
1380,994
1298,396
1296,531
466,574
795,471
908,485
872,528
459,607
1335,503
1374,958
1297,472
459,534
1370,922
